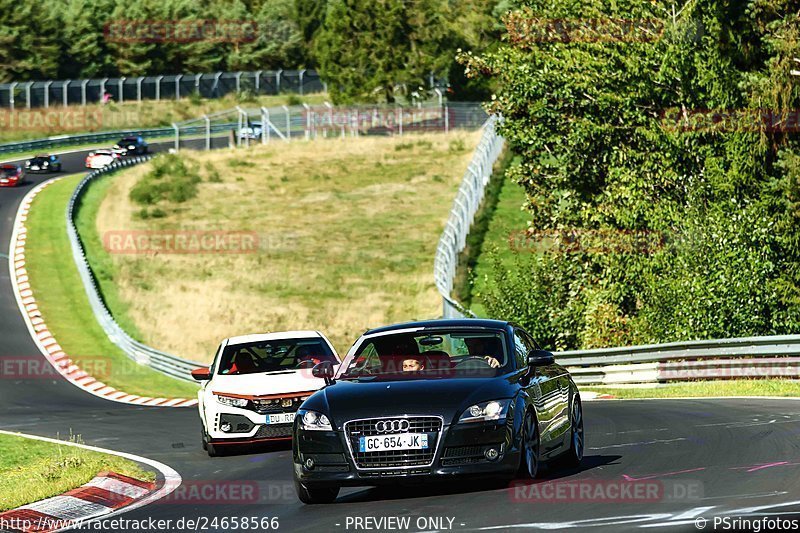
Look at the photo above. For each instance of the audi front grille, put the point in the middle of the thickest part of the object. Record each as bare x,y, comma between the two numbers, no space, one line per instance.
355,429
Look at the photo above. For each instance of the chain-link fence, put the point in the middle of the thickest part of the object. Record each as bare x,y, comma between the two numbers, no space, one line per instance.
245,126
175,86
468,200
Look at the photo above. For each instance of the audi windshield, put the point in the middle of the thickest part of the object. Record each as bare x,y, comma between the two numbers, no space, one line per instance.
429,355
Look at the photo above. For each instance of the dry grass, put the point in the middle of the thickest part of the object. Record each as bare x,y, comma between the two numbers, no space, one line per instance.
348,230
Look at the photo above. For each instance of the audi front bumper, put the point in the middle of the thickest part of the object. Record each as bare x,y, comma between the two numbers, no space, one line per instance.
462,450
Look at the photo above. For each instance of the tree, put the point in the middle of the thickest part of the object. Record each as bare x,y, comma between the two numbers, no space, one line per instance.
278,42
28,51
85,26
309,15
368,49
607,107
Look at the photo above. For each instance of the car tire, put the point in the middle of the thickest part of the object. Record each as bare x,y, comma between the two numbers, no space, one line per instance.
530,460
213,451
315,495
577,445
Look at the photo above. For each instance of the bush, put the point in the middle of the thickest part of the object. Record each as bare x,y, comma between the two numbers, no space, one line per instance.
597,153
170,179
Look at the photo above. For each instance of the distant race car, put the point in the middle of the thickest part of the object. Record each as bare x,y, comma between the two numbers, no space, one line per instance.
101,158
131,146
43,163
10,175
252,390
253,130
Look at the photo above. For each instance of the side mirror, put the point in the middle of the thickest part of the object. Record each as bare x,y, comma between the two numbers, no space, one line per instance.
323,370
540,358
201,374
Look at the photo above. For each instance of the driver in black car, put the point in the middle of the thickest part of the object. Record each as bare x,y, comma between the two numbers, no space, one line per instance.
485,347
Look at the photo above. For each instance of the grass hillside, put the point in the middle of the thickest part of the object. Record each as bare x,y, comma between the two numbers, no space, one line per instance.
346,230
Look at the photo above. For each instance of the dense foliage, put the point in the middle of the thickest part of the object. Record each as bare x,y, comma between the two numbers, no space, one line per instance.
368,49
662,169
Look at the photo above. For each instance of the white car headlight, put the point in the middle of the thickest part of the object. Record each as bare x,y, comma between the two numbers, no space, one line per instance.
314,421
232,402
486,411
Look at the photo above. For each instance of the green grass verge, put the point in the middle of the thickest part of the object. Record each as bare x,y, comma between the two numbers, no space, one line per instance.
32,470
699,389
65,307
501,215
96,255
468,258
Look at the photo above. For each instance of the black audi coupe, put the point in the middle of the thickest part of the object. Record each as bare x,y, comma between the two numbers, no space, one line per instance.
435,399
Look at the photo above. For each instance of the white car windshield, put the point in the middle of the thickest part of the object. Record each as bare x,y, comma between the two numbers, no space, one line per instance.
274,356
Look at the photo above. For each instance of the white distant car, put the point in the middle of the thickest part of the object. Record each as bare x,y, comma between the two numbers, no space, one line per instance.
253,130
101,158
253,389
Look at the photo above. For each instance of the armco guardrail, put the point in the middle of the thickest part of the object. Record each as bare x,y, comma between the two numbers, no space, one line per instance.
466,204
774,356
141,353
105,136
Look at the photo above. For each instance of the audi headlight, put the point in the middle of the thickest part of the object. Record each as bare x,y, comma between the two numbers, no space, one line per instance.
232,402
486,411
314,421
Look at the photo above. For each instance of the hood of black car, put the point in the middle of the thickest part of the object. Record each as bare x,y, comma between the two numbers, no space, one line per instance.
448,398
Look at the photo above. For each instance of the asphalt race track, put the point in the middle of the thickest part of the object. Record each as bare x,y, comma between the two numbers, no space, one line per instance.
692,459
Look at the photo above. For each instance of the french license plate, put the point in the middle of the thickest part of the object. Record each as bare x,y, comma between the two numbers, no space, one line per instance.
401,441
280,418
34,167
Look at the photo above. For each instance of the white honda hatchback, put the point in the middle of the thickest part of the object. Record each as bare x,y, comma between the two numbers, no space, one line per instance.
252,390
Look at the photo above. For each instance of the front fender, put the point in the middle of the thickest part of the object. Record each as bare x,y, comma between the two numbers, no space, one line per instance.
522,402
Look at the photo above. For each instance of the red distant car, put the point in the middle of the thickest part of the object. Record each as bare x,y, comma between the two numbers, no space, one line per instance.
10,175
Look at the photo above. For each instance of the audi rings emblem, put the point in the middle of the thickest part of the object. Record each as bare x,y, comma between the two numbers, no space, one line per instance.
392,426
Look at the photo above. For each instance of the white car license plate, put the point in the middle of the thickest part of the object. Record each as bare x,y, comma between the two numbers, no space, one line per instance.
401,441
281,418
34,167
